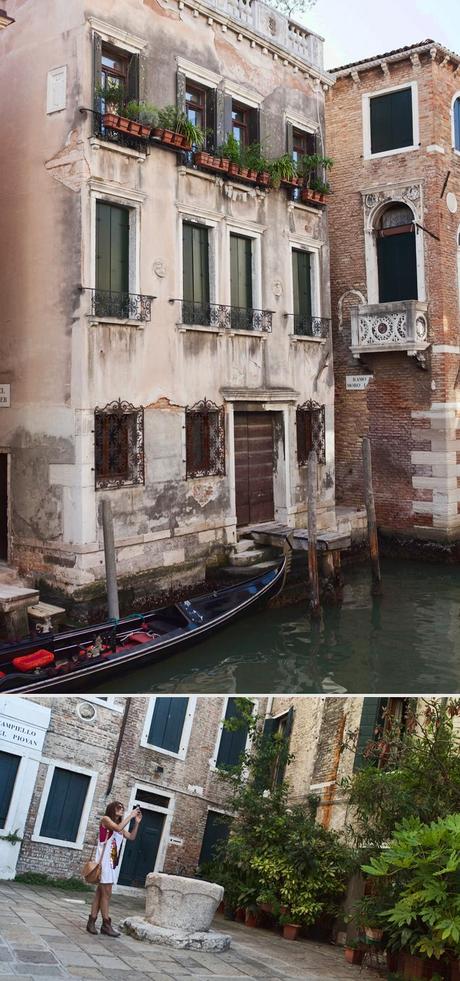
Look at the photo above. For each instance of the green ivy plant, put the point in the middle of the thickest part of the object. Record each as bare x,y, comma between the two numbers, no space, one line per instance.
423,862
13,837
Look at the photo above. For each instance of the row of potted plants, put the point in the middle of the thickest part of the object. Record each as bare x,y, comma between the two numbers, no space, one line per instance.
171,127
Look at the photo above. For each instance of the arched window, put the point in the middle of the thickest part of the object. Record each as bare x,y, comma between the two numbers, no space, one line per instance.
456,123
396,254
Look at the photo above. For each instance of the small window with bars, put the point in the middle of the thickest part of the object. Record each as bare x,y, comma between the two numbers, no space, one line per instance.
205,440
118,445
311,432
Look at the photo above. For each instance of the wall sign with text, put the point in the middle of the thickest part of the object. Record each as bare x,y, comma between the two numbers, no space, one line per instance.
5,396
358,383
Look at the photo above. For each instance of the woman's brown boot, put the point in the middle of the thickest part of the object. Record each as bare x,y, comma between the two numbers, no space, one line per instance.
107,928
91,924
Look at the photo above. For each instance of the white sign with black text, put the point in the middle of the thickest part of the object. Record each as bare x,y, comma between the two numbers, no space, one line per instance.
357,383
5,396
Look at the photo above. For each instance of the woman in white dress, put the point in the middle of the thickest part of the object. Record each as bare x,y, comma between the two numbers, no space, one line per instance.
112,830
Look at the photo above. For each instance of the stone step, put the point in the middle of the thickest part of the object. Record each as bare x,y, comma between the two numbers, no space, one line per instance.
244,545
245,572
249,557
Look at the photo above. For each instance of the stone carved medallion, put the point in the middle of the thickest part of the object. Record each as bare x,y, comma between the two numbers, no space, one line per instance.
277,288
159,268
86,711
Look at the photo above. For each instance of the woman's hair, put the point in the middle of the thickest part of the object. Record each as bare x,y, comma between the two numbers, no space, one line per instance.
111,811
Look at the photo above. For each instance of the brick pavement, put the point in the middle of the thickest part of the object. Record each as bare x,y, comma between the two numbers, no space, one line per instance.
42,935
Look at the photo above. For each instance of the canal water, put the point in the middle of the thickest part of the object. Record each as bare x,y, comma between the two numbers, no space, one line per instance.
407,641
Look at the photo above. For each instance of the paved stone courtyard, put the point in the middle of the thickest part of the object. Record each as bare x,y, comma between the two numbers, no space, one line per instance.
42,935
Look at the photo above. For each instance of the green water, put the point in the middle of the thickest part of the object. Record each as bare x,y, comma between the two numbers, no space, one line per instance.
408,641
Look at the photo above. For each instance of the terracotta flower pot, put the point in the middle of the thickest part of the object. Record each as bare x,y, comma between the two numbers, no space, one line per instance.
145,131
158,132
306,195
291,931
110,120
202,158
240,914
177,139
250,919
392,961
373,933
168,135
353,955
263,178
234,169
224,164
455,970
412,967
266,907
134,127
252,175
124,123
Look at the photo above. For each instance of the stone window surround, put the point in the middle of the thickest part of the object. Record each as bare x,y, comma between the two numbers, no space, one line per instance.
186,731
128,198
213,761
314,248
168,813
452,120
198,74
17,787
366,98
80,839
115,36
375,200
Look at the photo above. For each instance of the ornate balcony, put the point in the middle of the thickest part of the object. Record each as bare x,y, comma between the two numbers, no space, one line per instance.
316,327
225,317
274,27
108,304
398,326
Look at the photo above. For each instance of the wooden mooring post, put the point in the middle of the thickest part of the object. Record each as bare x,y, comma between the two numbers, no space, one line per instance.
371,519
312,491
110,560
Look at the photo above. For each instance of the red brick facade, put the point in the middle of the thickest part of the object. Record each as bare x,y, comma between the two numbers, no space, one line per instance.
411,407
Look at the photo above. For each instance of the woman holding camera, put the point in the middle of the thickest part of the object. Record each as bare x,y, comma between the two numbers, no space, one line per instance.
112,830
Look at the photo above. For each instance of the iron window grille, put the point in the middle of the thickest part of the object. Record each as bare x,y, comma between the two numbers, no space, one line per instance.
205,440
118,445
311,432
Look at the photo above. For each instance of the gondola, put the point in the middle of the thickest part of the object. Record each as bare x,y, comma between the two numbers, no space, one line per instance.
74,660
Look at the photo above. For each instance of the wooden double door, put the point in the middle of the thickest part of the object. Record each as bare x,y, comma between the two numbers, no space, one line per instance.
140,855
254,460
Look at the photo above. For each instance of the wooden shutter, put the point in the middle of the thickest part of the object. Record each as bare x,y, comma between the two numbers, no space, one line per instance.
181,91
112,247
241,271
254,126
228,119
457,124
64,806
167,723
220,119
301,274
289,138
97,61
391,121
280,770
195,263
232,744
371,718
397,267
103,222
132,87
9,765
211,119
216,831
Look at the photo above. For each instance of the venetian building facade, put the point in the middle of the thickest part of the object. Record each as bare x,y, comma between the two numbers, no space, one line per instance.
62,760
152,332
394,133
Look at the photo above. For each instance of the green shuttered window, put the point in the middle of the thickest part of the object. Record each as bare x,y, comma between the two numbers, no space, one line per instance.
391,121
64,806
371,720
9,765
232,744
215,832
167,723
195,264
241,271
457,124
112,247
301,280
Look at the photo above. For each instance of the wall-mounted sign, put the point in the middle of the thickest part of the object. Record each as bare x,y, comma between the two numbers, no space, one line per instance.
5,396
176,841
357,383
20,733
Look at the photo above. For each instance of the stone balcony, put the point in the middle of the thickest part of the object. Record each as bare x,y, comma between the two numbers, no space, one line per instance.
398,326
274,27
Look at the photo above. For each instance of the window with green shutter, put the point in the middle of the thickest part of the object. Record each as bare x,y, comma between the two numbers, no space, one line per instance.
9,766
456,112
167,723
232,742
372,719
64,807
216,831
241,282
391,121
195,261
301,282
112,248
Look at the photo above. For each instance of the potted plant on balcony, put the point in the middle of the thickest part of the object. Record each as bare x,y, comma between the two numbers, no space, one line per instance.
252,161
143,116
283,171
231,151
110,102
167,122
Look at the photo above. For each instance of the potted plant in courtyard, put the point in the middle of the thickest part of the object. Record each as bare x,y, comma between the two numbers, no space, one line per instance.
291,929
354,952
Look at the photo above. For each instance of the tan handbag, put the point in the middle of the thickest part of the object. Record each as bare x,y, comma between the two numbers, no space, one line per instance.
92,870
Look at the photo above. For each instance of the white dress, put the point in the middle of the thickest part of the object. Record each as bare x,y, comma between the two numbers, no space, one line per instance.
111,856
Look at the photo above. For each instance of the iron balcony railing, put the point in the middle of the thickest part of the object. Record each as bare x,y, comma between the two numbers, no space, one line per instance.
118,137
122,306
226,317
311,326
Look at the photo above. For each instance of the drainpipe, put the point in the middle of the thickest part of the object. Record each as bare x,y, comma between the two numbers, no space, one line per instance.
118,747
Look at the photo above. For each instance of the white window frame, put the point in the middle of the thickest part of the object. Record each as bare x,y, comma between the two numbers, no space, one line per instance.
366,110
213,761
186,729
165,834
126,198
236,228
54,75
240,94
212,224
452,121
314,248
86,810
196,73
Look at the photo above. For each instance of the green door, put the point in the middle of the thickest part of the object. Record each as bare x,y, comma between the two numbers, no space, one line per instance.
112,259
140,855
9,765
241,281
397,266
195,274
301,278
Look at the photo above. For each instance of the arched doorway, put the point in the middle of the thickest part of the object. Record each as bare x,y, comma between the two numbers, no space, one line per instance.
396,254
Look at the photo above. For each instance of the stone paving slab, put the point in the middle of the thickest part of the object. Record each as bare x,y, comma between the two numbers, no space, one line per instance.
42,935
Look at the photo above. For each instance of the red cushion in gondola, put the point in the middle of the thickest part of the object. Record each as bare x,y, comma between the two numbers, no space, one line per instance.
29,662
139,637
